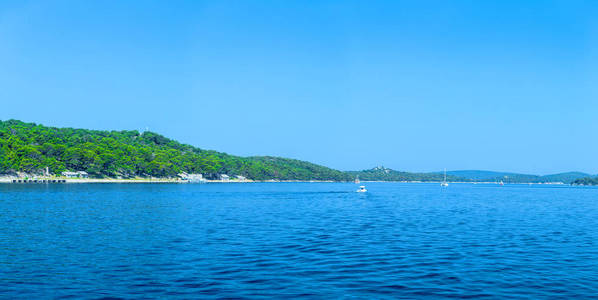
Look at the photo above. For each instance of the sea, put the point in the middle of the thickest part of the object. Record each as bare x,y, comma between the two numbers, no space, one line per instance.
298,240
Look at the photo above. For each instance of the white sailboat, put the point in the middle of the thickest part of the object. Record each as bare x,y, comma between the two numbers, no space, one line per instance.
444,183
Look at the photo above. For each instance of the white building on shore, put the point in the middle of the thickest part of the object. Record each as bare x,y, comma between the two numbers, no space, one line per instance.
77,174
191,177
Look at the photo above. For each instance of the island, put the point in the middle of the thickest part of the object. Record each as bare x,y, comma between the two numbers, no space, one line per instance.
38,153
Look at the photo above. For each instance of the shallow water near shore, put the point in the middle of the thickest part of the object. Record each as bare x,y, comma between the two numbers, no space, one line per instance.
311,240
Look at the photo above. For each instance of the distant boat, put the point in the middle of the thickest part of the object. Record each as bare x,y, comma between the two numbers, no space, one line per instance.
357,179
444,183
501,183
362,189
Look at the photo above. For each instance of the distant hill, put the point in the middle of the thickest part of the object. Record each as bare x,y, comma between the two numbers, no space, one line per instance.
29,147
586,181
478,175
490,176
568,177
385,174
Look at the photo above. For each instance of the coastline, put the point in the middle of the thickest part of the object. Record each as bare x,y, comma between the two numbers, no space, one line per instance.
37,180
107,180
179,181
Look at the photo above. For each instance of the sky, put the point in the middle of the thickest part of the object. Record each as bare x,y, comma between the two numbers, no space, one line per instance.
411,85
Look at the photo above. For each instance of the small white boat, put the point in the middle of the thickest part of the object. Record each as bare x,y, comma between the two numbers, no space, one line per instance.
362,189
444,183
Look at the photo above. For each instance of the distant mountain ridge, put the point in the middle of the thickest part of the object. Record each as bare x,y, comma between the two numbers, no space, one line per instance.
482,174
508,177
381,173
586,181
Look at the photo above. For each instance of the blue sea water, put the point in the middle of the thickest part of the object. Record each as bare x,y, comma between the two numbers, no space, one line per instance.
297,240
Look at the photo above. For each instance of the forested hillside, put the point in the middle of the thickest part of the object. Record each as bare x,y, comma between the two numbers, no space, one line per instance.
490,176
586,181
28,147
386,174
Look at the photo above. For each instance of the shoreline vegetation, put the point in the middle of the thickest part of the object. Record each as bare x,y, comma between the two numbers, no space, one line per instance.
179,181
29,150
586,181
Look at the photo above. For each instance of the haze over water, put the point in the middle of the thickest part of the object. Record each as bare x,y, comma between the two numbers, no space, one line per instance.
306,240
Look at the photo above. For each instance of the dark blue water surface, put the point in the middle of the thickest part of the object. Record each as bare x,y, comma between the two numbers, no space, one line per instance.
310,240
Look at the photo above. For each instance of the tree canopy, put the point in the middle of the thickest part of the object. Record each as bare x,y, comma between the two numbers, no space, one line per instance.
29,147
586,181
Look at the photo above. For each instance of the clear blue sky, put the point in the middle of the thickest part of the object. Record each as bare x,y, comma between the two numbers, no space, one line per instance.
411,85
